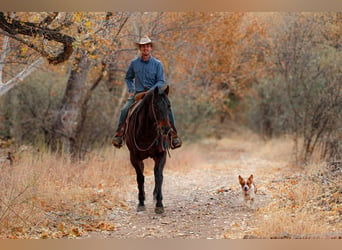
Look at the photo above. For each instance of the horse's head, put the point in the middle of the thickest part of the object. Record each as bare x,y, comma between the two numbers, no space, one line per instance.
162,109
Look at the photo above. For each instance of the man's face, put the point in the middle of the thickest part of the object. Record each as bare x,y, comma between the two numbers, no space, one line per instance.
145,49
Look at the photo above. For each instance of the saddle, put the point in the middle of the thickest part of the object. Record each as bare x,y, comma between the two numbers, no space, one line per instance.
137,100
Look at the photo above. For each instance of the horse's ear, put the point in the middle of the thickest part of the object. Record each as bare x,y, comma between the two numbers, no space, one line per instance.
166,90
156,91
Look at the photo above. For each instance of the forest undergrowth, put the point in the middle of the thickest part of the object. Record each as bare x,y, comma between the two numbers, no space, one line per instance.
45,196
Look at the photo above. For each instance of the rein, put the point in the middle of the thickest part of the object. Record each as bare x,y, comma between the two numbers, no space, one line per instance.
158,131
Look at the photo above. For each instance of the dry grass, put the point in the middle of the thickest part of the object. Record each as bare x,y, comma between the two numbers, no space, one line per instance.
46,196
302,204
40,187
303,200
44,192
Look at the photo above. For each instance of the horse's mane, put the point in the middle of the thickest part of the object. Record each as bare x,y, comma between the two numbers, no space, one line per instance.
148,98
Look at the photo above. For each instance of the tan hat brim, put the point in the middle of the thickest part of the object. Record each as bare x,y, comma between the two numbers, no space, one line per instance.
138,44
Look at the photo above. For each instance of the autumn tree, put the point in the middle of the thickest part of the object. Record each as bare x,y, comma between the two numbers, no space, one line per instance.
284,65
237,51
210,59
87,39
301,91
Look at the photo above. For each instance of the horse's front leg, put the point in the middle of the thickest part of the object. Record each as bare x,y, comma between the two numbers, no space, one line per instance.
139,169
158,178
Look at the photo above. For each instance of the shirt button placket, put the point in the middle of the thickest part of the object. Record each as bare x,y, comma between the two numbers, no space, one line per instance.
144,74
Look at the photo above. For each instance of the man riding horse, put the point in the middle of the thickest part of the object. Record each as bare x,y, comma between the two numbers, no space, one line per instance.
144,73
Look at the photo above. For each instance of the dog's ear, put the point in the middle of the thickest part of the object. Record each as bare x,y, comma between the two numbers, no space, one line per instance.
250,177
240,179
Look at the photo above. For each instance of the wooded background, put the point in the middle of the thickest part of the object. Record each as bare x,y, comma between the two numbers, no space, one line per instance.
62,76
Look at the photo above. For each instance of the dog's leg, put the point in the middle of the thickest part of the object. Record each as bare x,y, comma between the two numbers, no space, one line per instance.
245,198
252,203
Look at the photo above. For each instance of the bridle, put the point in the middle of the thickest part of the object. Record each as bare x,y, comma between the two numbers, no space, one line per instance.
159,125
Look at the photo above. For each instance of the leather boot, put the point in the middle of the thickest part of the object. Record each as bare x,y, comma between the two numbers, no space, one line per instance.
117,140
176,142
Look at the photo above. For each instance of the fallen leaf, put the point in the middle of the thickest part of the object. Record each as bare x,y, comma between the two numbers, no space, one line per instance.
61,227
75,232
44,235
105,226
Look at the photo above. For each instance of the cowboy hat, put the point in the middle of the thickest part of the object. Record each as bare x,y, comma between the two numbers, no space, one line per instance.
144,40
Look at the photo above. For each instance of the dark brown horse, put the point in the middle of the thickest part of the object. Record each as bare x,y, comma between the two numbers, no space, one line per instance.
148,136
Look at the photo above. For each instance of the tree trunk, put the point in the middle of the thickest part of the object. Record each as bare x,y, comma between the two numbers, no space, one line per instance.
69,116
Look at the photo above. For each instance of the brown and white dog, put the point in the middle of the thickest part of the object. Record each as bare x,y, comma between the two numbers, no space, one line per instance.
248,190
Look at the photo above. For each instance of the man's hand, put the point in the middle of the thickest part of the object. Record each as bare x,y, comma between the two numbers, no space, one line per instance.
139,96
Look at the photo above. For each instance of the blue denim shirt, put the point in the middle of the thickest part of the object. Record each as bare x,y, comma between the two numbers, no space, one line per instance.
146,75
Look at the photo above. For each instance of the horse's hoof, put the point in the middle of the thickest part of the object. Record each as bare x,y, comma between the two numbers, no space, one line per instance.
141,208
159,210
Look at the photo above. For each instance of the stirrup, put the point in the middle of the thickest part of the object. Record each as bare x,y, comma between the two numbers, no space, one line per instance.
117,141
176,142
118,138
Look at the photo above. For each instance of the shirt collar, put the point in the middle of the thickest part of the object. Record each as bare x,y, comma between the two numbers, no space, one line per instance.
145,61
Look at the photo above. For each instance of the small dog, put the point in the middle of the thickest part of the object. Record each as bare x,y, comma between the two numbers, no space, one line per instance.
248,189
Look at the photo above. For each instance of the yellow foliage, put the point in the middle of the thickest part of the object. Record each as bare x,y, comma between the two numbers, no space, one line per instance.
88,24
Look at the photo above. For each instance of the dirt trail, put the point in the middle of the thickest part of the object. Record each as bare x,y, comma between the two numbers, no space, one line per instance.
203,202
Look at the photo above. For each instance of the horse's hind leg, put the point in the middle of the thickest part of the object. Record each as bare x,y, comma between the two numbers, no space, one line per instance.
139,169
158,178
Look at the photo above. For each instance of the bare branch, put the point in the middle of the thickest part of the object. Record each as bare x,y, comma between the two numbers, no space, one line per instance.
5,87
48,20
14,27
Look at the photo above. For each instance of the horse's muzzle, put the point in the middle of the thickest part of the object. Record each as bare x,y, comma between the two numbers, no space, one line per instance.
164,127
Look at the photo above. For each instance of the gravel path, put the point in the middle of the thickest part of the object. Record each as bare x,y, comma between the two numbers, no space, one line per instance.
203,203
